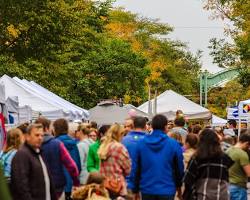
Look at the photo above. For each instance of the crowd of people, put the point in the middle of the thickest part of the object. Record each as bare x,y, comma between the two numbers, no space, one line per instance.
140,159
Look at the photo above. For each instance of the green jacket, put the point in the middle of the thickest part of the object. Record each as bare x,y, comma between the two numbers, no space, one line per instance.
93,161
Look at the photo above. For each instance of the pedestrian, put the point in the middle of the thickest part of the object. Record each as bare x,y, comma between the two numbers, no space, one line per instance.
196,129
93,134
128,125
4,190
189,147
61,129
83,148
57,157
29,175
115,161
240,170
206,176
231,128
14,141
93,124
158,165
227,142
131,140
93,160
179,124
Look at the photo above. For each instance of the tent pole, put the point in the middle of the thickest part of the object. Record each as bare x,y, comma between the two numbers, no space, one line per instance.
155,103
149,102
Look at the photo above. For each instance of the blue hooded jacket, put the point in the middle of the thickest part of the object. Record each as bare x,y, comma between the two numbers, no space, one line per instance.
158,168
130,141
71,146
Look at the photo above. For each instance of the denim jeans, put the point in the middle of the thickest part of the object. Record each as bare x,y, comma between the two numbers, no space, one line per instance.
157,197
237,192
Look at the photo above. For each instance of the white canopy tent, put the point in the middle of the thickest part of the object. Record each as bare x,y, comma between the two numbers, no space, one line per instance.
12,104
39,102
80,112
217,121
25,114
2,93
170,101
2,97
75,111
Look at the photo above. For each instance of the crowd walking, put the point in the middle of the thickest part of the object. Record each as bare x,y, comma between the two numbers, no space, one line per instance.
140,159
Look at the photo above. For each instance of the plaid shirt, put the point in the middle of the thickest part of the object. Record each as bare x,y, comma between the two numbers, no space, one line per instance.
207,179
117,165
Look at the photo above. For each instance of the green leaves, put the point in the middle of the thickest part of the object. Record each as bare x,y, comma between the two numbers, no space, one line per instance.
85,51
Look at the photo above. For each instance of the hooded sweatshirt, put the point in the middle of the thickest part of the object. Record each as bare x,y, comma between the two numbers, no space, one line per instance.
159,165
130,141
71,146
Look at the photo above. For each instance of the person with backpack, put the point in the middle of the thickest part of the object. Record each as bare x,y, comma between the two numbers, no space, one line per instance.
14,141
61,129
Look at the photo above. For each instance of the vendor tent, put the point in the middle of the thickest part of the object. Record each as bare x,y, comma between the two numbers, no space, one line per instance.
217,121
2,94
38,101
2,98
25,114
170,101
12,104
75,111
109,113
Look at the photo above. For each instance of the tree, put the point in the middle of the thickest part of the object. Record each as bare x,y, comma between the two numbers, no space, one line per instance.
236,54
63,46
171,65
238,13
85,51
220,98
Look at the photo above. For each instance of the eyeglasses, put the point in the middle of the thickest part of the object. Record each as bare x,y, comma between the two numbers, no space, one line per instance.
92,135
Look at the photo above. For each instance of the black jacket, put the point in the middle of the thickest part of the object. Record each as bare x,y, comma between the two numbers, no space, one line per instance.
27,179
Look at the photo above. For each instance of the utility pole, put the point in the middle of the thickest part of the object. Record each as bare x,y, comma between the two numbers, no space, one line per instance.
149,101
203,88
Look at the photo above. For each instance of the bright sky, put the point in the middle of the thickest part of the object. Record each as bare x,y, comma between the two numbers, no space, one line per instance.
192,24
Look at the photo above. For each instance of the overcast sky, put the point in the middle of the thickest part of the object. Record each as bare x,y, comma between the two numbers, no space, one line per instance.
192,24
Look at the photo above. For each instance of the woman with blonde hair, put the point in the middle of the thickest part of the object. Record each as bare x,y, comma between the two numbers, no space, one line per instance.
14,141
115,161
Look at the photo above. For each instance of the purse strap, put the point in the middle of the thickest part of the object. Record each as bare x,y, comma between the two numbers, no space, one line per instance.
90,192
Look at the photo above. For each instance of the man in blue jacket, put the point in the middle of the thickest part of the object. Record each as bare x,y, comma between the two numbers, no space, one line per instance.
131,140
158,166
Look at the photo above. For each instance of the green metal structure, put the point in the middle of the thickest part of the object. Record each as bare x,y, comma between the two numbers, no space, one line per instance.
208,81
